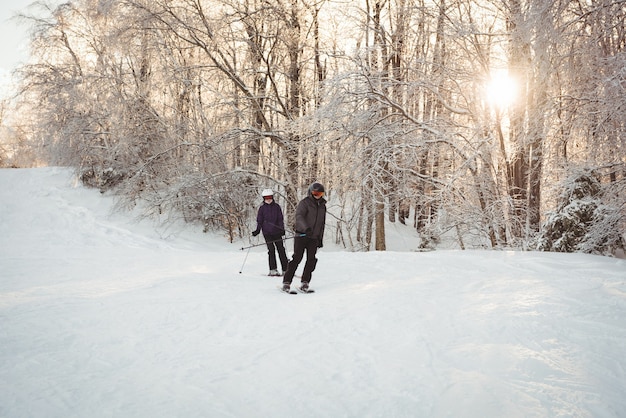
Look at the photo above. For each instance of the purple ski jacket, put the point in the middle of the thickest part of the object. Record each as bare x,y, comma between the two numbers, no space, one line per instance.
269,219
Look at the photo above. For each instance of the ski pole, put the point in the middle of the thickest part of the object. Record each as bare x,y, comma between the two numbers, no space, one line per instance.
244,260
269,242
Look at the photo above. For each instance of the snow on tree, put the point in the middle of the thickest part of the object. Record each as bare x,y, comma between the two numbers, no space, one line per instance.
192,107
582,221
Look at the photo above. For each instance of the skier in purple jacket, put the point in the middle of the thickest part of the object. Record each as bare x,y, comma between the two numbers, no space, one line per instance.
270,220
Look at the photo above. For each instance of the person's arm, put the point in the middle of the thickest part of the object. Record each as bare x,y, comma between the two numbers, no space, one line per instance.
281,221
259,222
301,213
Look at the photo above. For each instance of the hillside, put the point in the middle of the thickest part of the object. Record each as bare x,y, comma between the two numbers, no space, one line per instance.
101,315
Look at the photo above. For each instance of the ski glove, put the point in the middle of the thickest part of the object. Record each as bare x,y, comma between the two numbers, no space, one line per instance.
255,233
282,232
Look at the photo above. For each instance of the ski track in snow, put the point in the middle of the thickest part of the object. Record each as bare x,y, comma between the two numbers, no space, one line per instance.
104,316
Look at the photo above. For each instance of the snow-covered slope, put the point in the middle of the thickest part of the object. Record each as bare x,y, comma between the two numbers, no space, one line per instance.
101,316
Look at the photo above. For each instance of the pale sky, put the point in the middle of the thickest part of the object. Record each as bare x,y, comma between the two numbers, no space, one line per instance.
14,35
14,45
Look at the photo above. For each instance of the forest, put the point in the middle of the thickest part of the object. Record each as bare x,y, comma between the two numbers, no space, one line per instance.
491,124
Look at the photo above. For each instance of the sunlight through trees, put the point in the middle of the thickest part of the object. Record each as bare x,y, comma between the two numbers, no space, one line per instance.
464,119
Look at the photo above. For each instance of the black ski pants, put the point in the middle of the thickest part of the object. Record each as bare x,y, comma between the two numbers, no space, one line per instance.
300,246
275,244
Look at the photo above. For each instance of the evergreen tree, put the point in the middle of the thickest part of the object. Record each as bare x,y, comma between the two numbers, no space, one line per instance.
582,222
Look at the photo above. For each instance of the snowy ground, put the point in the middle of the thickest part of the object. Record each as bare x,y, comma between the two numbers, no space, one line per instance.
101,316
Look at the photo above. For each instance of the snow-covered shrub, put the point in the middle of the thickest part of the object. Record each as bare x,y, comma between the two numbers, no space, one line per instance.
582,221
102,178
604,235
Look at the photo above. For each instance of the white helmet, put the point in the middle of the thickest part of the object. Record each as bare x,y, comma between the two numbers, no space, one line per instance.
267,192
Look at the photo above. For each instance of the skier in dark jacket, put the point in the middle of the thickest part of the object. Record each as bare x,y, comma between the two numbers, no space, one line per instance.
310,220
270,220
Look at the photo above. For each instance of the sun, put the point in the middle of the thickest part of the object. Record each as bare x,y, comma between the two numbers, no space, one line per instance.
501,90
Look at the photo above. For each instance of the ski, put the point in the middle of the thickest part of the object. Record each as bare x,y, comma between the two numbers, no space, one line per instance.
279,275
291,292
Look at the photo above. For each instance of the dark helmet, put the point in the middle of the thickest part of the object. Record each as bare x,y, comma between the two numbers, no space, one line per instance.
316,187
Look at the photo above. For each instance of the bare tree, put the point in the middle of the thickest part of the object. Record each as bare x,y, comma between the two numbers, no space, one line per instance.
193,105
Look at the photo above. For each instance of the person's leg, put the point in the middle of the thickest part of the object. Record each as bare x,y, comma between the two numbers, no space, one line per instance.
299,246
311,261
271,252
282,255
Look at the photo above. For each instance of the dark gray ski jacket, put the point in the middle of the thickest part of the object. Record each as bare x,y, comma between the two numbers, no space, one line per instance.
311,217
